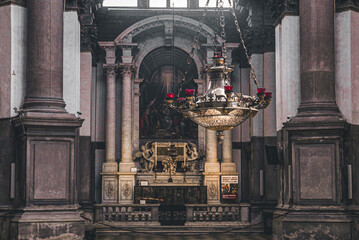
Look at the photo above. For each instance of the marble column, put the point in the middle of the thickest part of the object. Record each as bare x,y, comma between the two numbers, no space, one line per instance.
48,135
110,166
201,130
127,179
212,168
228,166
136,114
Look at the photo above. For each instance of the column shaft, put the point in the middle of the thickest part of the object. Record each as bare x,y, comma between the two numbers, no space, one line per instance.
110,113
126,124
317,55
136,114
211,146
227,147
45,54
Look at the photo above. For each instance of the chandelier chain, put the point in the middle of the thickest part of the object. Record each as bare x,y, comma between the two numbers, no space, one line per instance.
222,23
251,69
194,46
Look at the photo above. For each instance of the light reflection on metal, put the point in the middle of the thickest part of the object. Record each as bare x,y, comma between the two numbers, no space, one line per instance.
219,108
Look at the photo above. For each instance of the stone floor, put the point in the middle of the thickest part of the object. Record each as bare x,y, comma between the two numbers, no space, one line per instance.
239,236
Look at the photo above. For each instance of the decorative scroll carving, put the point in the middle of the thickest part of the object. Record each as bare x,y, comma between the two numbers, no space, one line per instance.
126,190
110,69
278,7
109,190
153,154
212,190
259,39
127,69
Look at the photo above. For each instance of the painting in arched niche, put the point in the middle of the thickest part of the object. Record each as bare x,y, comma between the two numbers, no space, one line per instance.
157,120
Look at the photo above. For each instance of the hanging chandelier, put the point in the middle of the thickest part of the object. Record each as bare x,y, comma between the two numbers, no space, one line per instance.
220,108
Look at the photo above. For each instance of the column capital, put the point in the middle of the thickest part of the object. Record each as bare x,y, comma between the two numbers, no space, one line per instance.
110,69
127,69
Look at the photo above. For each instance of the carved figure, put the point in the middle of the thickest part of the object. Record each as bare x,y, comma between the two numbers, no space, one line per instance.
192,157
146,157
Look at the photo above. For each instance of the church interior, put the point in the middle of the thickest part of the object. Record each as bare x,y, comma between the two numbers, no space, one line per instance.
195,119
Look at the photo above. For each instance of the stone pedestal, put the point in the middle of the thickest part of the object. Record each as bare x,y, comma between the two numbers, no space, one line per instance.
48,149
109,182
211,180
126,186
43,222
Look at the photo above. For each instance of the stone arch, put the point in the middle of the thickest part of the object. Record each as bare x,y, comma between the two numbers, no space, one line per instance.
146,45
157,21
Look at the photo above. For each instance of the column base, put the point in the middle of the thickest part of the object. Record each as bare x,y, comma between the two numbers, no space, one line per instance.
312,224
126,188
212,167
48,222
229,169
125,167
110,167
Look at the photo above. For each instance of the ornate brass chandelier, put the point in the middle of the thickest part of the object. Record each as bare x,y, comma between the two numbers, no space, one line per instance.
220,108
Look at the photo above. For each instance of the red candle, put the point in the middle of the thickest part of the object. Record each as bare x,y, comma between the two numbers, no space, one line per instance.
268,95
170,96
228,89
189,92
261,90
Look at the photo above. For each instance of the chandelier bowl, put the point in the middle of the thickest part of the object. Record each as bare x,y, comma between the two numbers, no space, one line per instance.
220,119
